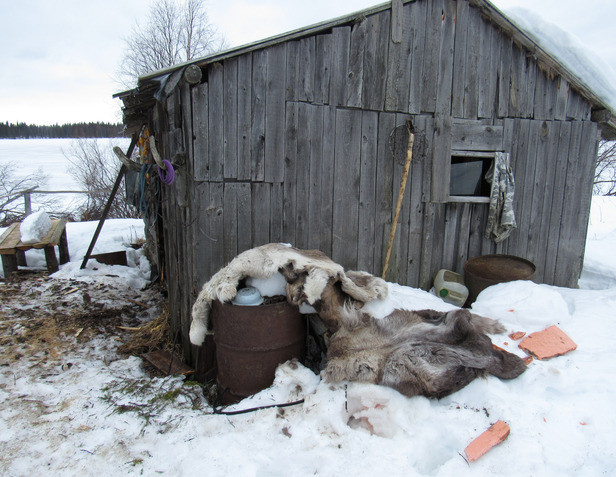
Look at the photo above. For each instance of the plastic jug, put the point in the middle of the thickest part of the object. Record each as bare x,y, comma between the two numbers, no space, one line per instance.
450,287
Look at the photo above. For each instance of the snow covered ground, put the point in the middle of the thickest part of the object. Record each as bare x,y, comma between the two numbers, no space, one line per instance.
71,404
92,411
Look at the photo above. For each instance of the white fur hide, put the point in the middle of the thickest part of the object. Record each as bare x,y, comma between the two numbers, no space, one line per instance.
263,262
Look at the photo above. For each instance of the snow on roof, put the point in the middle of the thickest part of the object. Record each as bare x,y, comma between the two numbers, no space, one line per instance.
590,69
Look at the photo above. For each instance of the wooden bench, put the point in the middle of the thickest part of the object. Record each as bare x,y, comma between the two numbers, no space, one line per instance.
13,250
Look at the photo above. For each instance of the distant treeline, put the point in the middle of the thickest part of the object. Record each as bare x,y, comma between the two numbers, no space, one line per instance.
29,131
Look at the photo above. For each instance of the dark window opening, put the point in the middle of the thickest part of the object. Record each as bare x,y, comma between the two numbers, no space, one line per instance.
468,176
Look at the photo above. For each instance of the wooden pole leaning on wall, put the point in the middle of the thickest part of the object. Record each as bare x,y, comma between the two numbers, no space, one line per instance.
116,186
405,175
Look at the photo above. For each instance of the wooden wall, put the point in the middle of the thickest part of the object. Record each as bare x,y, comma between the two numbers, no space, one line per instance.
304,142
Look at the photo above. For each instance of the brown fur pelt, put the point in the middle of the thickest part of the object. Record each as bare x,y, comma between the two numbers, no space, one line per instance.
424,352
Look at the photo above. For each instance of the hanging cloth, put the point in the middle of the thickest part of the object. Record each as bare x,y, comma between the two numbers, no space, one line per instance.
501,217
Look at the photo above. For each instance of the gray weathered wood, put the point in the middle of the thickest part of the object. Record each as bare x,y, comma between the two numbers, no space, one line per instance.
375,61
419,12
328,179
201,131
431,55
307,48
244,116
216,126
476,137
257,136
292,71
355,73
399,60
562,95
322,70
290,173
277,205
230,223
346,192
397,21
462,20
315,159
367,192
230,118
504,77
302,177
341,40
471,70
261,212
275,114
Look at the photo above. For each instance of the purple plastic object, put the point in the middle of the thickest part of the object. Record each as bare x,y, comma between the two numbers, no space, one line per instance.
168,176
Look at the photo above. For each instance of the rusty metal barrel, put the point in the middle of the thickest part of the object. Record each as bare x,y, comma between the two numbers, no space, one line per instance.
251,341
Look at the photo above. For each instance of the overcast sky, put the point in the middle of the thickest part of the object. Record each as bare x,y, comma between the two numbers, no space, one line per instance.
59,57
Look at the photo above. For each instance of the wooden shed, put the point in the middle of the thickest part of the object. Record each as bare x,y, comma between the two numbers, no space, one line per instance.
301,138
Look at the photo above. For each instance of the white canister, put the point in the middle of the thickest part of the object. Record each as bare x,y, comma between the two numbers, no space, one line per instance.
450,287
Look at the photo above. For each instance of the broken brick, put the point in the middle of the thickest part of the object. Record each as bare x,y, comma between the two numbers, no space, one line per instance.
496,434
518,335
548,343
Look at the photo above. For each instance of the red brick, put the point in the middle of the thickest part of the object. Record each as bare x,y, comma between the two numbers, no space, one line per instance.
518,335
496,434
548,343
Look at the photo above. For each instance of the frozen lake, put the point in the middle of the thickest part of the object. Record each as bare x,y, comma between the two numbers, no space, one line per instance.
51,156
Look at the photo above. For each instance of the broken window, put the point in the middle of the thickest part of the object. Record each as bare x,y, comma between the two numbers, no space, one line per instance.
468,174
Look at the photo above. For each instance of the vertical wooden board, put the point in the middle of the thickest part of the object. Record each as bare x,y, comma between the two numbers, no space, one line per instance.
230,206
538,194
217,226
375,61
419,12
230,118
446,58
244,216
397,21
290,173
384,186
559,172
567,256
542,224
257,130
346,192
416,206
216,122
487,71
341,41
540,105
517,99
562,95
367,192
477,228
328,179
525,178
187,129
200,237
471,72
201,123
438,217
277,205
453,211
315,167
462,244
302,177
519,130
510,136
307,48
504,78
428,153
459,59
244,116
441,158
261,213
355,73
275,114
399,61
292,71
431,55
322,70
532,72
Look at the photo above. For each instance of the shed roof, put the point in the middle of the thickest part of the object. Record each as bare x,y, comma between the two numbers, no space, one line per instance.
602,112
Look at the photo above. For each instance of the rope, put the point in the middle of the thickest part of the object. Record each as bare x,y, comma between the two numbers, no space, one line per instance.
166,174
405,174
216,408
